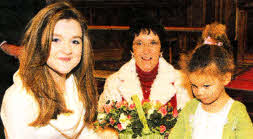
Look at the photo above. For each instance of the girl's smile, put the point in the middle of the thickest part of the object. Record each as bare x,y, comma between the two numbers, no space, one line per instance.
66,59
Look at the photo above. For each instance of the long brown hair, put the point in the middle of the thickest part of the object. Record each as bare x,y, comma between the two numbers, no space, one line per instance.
34,71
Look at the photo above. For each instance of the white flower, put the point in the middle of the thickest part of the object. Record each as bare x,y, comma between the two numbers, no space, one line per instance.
124,125
101,117
124,120
150,111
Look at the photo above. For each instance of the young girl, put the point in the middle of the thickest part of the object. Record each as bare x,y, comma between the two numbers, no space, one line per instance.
53,95
212,114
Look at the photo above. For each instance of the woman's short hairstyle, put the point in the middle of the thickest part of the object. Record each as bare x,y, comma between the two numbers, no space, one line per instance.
34,70
147,24
206,55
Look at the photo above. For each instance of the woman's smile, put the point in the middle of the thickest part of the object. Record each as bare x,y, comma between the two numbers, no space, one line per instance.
146,58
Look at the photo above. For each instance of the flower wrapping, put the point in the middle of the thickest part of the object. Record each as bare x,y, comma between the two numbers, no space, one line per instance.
138,119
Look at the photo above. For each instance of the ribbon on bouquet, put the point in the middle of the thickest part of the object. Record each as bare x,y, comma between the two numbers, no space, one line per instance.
141,114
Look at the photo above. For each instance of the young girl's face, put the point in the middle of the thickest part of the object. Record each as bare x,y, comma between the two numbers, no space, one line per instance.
206,86
66,47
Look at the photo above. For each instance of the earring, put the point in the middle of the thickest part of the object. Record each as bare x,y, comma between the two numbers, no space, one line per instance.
132,54
161,54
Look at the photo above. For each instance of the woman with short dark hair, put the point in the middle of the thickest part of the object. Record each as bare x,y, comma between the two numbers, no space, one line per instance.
147,74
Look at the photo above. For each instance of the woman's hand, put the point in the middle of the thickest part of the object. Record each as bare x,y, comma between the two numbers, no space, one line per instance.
107,133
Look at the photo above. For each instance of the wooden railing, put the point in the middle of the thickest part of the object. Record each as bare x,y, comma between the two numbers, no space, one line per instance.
178,29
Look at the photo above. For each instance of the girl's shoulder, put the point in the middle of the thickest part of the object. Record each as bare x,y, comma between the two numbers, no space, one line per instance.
17,97
193,103
191,106
18,101
239,121
238,112
238,106
17,91
238,109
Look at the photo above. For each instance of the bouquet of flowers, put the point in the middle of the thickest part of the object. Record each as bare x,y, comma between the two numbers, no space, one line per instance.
138,119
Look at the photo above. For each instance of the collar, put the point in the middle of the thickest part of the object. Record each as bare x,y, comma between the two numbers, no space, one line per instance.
147,76
162,89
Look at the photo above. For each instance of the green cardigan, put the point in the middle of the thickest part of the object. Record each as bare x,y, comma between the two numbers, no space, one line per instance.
239,125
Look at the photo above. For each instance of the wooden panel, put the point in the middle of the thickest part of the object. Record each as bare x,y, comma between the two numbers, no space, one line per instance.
178,29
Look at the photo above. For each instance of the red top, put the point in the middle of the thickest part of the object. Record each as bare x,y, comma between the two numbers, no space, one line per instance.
147,79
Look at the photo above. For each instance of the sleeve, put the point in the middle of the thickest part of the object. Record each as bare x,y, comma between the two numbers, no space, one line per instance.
107,133
183,128
178,130
110,91
17,111
244,128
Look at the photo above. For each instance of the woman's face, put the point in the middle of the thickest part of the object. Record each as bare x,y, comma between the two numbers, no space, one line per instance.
146,49
66,46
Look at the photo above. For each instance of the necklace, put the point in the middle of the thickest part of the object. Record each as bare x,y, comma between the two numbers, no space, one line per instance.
66,136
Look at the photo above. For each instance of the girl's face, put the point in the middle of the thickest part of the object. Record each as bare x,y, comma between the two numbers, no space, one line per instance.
146,49
66,46
207,87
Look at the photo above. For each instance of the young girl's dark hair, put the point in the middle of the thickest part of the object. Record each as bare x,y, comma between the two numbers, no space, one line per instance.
206,54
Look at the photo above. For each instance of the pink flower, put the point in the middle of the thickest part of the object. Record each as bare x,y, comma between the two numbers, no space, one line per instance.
129,116
132,106
107,108
120,127
175,112
162,128
163,110
112,121
124,103
119,104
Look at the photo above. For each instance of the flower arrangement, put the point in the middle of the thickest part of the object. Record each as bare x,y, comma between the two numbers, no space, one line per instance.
137,119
